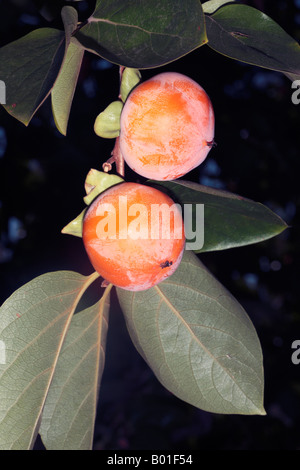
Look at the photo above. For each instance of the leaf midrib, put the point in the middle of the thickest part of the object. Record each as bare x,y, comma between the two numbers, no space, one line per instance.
131,26
214,358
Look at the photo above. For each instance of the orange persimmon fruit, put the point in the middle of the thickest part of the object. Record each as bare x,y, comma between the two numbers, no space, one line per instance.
134,235
166,126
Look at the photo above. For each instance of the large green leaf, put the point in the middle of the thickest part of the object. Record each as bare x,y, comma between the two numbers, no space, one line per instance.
70,409
64,88
29,67
246,34
63,91
33,325
229,220
198,340
144,33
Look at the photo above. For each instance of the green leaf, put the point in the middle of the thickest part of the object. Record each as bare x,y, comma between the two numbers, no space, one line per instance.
144,33
229,220
212,5
70,409
29,68
63,91
69,17
65,85
107,123
293,77
198,340
33,324
246,34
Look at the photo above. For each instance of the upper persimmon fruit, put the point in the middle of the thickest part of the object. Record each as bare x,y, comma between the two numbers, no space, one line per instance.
166,126
134,235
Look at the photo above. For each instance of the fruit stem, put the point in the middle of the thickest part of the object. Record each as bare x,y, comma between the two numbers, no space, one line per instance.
117,158
121,70
116,155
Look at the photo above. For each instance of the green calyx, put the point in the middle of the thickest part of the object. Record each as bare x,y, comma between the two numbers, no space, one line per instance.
98,181
130,78
95,183
107,123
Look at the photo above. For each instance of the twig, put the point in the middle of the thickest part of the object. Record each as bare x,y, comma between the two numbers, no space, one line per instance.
117,158
116,155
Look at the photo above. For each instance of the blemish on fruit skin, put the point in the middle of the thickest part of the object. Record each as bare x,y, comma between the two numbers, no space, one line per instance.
211,143
166,264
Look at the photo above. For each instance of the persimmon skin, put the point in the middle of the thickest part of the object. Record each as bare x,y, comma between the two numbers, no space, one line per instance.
167,127
133,264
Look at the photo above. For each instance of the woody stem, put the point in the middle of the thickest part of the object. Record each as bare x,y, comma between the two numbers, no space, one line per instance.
116,155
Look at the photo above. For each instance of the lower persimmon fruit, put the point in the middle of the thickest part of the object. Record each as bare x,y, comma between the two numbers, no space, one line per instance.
166,126
134,236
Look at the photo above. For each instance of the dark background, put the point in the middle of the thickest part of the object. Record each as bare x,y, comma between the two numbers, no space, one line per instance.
257,156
